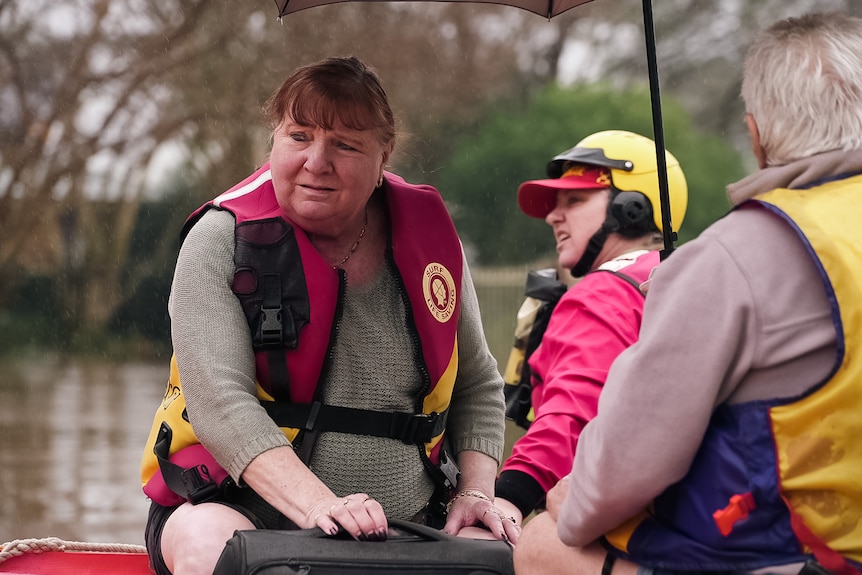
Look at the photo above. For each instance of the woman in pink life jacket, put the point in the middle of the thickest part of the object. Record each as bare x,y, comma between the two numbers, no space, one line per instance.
329,356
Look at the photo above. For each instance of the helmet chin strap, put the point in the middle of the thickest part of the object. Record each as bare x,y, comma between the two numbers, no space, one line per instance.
594,246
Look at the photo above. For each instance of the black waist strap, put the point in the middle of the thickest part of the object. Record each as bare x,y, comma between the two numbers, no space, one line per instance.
195,484
411,428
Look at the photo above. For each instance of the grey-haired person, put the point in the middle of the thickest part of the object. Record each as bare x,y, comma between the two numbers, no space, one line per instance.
727,438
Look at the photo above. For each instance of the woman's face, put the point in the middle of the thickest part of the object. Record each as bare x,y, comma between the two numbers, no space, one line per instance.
577,216
323,178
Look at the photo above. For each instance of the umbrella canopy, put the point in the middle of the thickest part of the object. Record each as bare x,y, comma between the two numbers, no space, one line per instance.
546,8
549,9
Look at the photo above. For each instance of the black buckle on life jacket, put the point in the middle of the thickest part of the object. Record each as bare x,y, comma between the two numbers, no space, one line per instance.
199,484
271,326
276,326
195,485
411,428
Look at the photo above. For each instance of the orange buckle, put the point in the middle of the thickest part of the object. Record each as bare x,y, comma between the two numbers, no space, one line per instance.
737,510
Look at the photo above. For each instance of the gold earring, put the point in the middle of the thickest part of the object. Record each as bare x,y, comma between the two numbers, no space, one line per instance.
380,182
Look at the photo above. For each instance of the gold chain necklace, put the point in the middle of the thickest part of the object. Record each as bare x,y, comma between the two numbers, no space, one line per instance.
355,244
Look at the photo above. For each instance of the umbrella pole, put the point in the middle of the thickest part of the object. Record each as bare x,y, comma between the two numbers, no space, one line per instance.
658,130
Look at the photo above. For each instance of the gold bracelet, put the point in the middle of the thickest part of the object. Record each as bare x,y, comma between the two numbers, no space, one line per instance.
466,493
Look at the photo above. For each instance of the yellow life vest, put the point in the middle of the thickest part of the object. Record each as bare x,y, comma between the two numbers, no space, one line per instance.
778,481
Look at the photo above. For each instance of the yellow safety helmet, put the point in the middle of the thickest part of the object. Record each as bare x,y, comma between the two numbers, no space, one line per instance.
631,159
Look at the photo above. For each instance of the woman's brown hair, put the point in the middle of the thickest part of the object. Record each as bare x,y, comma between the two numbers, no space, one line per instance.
333,91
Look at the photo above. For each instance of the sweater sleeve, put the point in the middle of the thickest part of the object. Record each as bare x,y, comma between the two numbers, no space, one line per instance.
476,415
594,321
217,372
661,392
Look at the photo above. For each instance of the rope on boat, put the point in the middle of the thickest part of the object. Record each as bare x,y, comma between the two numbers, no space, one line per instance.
22,546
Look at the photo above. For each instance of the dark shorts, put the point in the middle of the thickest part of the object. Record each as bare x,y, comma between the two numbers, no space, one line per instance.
244,500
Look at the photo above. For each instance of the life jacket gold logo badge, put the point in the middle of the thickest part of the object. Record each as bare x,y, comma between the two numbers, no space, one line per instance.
438,288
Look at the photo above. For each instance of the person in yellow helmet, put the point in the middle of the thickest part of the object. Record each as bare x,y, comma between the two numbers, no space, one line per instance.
634,209
727,437
602,204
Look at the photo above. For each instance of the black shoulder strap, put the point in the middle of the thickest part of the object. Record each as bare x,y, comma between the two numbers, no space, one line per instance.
269,281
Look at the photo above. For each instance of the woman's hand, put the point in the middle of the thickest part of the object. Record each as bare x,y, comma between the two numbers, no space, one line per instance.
306,501
358,514
471,508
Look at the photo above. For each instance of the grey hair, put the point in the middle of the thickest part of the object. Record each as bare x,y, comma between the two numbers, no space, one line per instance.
802,82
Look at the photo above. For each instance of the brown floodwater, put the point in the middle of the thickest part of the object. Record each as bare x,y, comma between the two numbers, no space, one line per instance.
71,438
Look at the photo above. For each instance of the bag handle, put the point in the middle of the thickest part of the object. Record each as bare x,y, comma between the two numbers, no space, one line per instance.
419,530
407,527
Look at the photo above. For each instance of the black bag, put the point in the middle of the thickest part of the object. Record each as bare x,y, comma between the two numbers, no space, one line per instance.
410,548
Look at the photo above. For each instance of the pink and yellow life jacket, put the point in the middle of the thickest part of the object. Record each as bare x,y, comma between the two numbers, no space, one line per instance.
291,298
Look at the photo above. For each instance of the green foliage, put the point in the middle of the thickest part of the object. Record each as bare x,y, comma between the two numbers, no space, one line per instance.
480,180
140,326
154,248
34,316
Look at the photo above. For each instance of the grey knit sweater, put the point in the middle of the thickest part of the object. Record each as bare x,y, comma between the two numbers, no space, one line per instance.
373,368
